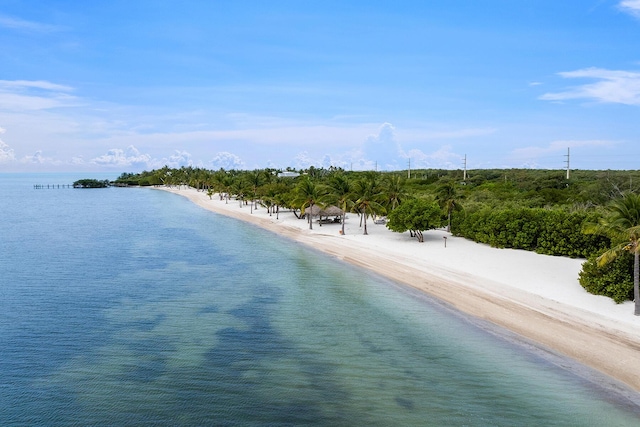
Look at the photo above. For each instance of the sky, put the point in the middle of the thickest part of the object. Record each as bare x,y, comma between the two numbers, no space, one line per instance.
127,86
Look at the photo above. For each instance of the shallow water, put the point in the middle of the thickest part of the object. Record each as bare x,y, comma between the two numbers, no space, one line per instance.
136,307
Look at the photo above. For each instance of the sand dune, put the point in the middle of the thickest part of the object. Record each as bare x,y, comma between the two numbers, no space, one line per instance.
535,296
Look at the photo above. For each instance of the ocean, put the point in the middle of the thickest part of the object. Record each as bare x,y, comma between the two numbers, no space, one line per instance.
132,306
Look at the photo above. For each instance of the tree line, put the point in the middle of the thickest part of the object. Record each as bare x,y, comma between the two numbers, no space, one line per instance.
537,210
91,183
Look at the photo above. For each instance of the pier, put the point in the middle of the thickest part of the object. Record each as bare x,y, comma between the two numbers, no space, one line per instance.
50,186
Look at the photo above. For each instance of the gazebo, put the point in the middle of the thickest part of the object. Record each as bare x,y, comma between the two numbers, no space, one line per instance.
327,213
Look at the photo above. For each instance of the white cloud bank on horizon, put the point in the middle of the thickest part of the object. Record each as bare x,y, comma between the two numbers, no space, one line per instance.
380,150
227,161
529,156
7,154
38,158
122,158
618,87
383,151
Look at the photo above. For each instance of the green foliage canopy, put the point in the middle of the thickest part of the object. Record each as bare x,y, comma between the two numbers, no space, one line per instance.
613,280
416,216
91,183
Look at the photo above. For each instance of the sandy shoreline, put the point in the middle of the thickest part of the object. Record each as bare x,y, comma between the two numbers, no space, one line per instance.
535,296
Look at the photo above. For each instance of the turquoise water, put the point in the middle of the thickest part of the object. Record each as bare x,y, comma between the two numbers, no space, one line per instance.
136,307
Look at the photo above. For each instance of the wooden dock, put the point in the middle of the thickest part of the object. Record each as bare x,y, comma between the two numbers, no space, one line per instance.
51,186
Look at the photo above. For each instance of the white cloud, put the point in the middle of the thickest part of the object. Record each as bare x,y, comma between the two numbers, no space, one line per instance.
18,103
303,161
178,159
26,95
23,25
383,149
35,84
327,162
630,6
38,158
226,160
77,160
443,158
531,156
620,87
301,136
6,153
130,157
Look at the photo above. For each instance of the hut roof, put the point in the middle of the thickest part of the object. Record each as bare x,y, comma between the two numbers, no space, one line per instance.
332,211
328,211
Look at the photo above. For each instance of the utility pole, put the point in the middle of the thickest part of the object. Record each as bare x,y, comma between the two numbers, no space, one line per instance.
409,169
567,162
464,175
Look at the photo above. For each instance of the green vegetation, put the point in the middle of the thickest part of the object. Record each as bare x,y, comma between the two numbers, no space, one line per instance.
91,183
613,279
416,216
547,231
621,223
536,210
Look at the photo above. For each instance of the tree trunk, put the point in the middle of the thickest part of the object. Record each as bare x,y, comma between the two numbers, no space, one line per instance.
310,217
365,223
449,221
636,281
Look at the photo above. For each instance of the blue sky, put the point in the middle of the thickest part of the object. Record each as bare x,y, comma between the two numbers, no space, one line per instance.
132,85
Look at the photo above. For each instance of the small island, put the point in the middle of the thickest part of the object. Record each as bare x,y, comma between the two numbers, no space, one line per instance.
91,183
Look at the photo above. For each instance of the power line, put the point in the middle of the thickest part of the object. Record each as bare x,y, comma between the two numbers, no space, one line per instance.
464,174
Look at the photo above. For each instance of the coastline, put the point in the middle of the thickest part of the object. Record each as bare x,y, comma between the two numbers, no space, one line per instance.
534,296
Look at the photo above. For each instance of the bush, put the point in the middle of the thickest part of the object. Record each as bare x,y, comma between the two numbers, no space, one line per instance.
546,231
561,234
614,280
415,215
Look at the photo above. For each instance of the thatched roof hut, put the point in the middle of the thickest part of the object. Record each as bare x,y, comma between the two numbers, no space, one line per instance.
329,211
315,210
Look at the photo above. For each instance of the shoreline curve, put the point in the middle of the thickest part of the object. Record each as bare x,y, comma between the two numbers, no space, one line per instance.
535,296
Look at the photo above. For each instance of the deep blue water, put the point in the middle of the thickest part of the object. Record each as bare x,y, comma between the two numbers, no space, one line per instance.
136,307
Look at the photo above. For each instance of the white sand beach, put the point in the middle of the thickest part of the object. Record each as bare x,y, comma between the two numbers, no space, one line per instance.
535,296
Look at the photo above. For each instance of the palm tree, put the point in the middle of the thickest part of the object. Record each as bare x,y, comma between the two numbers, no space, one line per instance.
622,225
339,192
307,195
395,191
370,196
281,199
448,199
254,180
238,189
218,182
